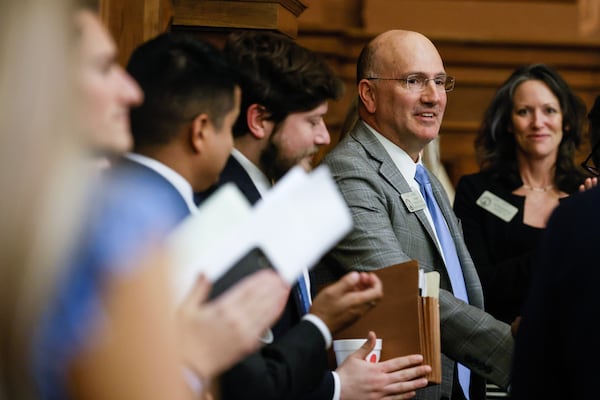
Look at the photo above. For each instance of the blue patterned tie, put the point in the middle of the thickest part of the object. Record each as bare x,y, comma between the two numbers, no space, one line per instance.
303,296
452,262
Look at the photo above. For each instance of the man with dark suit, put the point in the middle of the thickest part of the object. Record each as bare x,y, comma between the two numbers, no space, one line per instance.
285,93
556,349
398,215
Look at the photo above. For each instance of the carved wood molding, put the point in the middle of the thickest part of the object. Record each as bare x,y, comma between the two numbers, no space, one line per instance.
242,14
297,7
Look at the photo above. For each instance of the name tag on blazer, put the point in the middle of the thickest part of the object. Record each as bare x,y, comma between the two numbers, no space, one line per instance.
497,206
413,201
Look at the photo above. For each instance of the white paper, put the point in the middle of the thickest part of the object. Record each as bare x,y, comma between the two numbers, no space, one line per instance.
295,224
199,233
429,283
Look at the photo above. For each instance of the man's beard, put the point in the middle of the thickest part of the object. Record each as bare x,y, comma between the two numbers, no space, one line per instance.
272,164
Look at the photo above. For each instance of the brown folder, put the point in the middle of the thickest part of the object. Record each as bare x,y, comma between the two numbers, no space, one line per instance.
407,322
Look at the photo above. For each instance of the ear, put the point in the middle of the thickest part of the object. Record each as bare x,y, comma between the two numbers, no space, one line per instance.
197,132
256,117
367,95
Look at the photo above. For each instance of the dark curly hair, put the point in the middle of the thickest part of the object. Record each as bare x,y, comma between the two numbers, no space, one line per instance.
496,147
278,74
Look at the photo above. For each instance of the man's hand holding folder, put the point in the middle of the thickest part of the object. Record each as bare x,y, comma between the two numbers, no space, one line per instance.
407,322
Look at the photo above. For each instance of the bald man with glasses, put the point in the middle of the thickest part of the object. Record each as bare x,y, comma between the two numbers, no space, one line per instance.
401,211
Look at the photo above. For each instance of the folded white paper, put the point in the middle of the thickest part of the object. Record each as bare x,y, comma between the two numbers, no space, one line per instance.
429,283
294,224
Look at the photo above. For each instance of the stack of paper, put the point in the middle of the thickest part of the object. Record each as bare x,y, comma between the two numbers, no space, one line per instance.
300,219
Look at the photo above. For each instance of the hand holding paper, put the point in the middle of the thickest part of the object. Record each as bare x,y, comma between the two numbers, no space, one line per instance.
300,219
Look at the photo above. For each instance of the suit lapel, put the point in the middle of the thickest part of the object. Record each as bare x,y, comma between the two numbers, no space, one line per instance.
389,172
234,172
386,167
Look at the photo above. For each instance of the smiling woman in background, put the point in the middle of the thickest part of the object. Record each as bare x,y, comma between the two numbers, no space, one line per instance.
525,148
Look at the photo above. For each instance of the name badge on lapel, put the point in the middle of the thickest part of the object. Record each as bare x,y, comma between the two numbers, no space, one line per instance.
497,206
413,201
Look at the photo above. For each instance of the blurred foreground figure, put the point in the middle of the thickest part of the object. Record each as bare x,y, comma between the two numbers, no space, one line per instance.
39,154
86,311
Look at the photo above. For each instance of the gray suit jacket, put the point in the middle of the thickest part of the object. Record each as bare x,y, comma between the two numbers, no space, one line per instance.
386,233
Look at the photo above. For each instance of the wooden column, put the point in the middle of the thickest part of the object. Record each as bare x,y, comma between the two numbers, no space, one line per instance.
132,22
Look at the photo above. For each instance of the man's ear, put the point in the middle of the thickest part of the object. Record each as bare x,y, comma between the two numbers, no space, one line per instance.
367,95
197,131
256,118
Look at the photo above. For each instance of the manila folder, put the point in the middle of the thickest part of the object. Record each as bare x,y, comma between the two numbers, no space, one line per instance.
407,322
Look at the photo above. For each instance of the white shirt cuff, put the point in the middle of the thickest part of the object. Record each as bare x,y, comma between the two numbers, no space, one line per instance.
337,386
322,328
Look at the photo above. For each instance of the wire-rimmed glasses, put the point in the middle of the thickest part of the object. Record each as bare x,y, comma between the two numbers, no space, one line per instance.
418,82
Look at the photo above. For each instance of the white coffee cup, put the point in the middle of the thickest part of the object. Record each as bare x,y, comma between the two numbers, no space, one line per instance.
344,347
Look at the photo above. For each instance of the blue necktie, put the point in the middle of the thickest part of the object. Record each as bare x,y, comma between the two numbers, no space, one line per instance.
452,262
303,296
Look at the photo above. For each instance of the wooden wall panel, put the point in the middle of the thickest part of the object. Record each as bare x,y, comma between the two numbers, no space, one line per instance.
132,22
509,21
481,42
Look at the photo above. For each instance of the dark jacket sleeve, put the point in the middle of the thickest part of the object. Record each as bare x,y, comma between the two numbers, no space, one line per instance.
559,328
293,367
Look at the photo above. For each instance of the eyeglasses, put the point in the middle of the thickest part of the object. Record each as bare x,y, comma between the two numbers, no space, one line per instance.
589,164
417,82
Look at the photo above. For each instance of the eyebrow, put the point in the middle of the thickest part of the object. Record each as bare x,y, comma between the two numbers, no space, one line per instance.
425,74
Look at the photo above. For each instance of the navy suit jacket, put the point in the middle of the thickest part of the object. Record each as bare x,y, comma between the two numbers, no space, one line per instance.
557,348
295,365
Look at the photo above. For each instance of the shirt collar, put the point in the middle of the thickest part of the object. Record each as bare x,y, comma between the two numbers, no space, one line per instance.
401,159
259,179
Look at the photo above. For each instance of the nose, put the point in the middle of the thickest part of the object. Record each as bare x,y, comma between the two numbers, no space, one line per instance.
538,118
430,93
130,92
323,137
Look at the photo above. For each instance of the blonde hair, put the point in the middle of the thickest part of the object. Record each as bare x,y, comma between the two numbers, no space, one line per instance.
40,174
